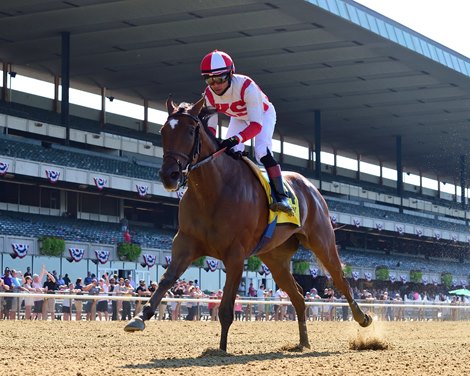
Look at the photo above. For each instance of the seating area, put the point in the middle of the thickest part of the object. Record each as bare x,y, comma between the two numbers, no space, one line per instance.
35,225
77,158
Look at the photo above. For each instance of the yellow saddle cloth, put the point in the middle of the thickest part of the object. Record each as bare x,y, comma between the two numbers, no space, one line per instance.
281,216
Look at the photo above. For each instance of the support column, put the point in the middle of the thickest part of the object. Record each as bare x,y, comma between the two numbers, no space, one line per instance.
318,174
462,182
55,104
5,82
103,107
65,80
399,167
146,115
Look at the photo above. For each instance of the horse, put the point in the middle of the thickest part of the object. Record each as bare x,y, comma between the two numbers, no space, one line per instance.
223,214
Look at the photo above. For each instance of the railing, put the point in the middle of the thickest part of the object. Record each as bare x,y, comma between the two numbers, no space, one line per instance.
265,309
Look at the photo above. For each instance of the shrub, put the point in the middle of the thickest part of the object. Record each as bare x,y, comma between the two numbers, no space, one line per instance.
300,267
446,279
199,263
253,264
416,276
51,246
382,273
347,270
129,251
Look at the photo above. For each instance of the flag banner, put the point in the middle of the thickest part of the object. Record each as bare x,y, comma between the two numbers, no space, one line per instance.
435,282
180,192
102,255
355,275
393,277
403,278
356,222
265,269
314,272
419,232
167,260
212,264
379,226
424,279
3,168
53,175
100,182
368,276
400,229
143,190
20,250
454,238
150,260
76,254
437,234
333,219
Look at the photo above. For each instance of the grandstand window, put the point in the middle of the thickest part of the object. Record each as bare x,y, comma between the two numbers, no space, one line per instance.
28,195
89,203
430,183
369,168
123,108
326,158
50,198
83,98
156,116
9,192
32,86
389,173
347,163
447,188
412,179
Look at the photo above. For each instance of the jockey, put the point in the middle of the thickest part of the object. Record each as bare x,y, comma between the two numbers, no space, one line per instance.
251,114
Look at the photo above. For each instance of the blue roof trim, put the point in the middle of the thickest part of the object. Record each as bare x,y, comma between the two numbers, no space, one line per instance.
395,32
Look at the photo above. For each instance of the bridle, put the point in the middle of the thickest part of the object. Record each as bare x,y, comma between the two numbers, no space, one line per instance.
192,157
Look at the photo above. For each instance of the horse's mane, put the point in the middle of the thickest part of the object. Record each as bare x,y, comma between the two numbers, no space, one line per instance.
204,116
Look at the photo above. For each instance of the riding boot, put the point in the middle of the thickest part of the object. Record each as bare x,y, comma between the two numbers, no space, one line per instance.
281,203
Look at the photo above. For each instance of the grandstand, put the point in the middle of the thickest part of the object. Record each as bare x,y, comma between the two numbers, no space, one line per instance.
379,221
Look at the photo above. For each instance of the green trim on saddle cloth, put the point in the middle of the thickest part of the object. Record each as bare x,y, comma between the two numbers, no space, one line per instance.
281,216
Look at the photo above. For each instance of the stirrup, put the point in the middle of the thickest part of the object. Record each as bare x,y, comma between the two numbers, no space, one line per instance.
283,206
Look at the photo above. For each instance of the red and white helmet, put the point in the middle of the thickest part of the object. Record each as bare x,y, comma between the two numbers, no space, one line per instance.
217,63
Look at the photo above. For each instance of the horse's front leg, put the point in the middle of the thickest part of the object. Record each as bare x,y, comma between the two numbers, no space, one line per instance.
234,270
183,253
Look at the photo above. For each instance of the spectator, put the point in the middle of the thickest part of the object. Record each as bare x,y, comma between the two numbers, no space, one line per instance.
78,290
90,308
17,282
67,302
3,288
238,308
143,291
114,290
50,287
126,290
102,304
88,279
28,272
28,302
7,300
67,279
38,303
260,296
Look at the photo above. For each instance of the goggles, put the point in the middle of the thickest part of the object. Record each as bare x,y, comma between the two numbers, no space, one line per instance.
211,80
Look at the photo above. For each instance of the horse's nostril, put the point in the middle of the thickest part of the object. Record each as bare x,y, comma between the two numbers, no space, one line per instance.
175,175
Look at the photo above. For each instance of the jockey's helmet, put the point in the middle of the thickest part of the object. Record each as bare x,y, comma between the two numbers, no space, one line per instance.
217,63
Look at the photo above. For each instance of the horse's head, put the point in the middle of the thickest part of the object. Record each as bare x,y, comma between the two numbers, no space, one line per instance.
181,142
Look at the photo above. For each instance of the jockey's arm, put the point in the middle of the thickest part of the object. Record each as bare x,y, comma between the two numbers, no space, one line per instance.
255,108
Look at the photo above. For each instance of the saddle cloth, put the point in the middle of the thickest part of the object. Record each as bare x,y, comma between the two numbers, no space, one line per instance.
281,217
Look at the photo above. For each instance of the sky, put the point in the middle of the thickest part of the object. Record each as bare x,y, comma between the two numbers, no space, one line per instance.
444,21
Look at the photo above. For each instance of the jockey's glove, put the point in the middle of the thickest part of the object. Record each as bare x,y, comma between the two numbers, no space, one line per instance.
229,142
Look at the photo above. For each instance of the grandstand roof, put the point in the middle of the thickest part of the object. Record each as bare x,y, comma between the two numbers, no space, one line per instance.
371,78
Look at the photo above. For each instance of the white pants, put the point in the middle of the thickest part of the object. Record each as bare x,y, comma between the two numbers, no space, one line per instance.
264,139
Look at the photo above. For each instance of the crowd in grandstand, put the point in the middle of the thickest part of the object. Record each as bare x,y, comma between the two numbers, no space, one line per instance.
54,306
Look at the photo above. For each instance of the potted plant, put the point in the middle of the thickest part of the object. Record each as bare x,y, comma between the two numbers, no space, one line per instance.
300,266
128,251
253,264
51,246
416,276
382,273
446,279
347,271
199,263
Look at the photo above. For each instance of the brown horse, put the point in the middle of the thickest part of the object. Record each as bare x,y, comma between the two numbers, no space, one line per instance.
224,213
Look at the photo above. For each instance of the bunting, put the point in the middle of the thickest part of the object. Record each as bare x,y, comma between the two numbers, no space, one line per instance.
265,269
333,219
356,222
435,282
76,254
355,275
19,250
167,260
424,280
100,182
180,192
400,229
454,238
212,264
3,168
403,278
52,175
149,260
314,272
143,190
102,255
393,277
437,235
379,226
368,276
419,232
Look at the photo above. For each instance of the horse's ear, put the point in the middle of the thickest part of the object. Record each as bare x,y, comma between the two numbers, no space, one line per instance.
170,105
197,107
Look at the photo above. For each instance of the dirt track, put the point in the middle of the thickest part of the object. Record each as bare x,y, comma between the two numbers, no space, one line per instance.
256,348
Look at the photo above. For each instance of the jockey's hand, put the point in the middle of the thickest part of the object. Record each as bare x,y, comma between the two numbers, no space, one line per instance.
229,142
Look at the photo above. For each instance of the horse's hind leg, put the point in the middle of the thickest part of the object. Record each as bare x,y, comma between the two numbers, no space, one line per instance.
278,262
325,250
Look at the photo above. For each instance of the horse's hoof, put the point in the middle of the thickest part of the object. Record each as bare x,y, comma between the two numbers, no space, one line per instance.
135,325
367,321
